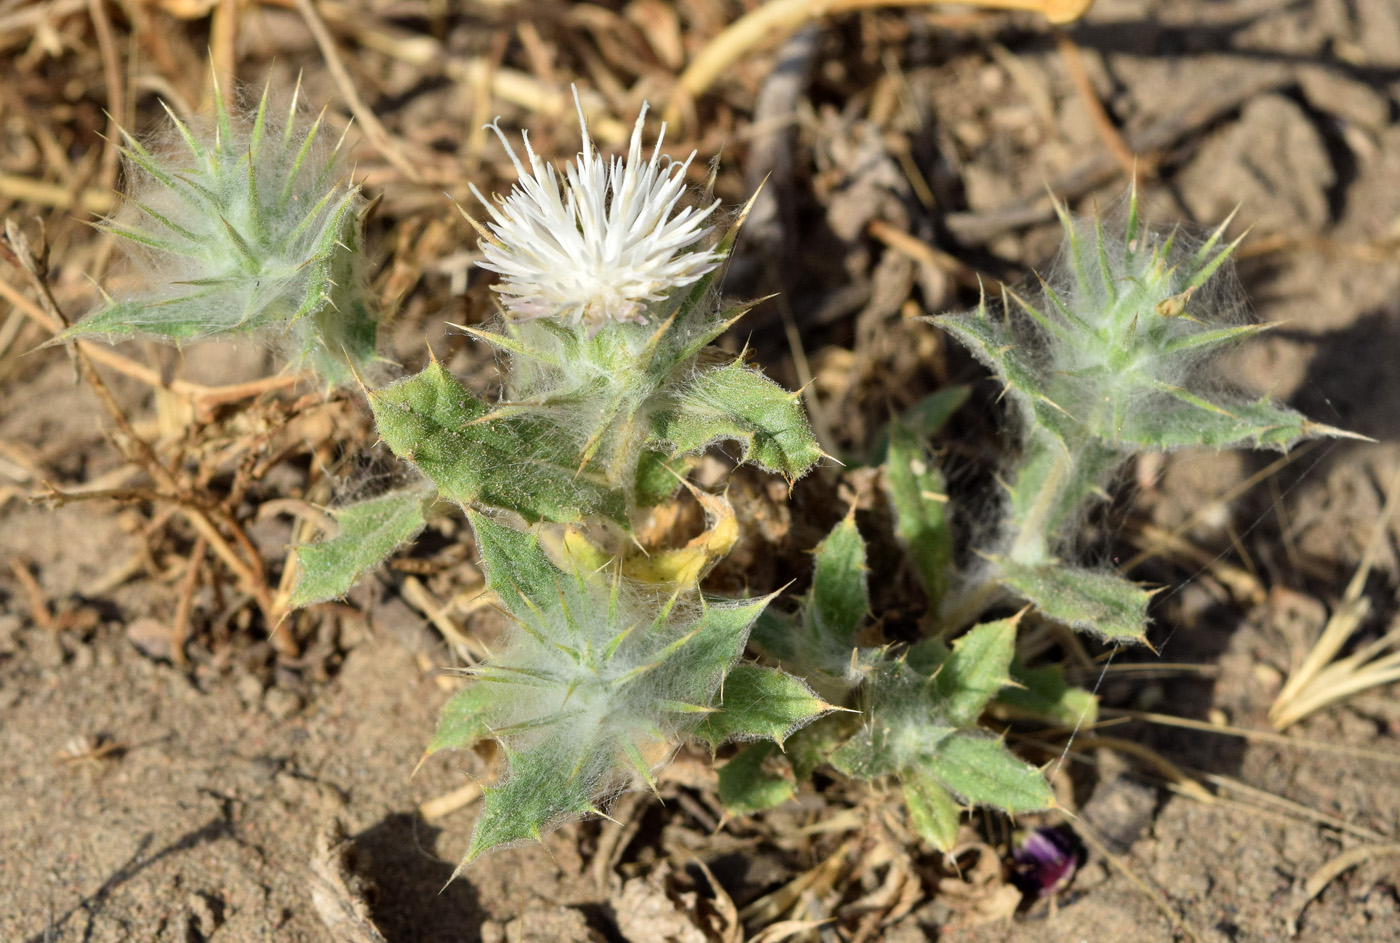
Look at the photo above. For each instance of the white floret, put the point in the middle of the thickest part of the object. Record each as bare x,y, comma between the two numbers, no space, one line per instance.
602,243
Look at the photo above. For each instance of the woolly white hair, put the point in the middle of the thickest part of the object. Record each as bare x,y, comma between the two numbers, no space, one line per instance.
601,243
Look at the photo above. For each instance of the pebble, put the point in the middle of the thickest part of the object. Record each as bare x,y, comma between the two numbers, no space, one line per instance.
249,689
151,638
281,703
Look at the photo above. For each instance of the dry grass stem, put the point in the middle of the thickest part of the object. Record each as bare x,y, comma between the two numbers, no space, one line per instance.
1209,506
445,805
206,396
1157,762
379,136
94,200
773,22
1262,799
421,598
1322,679
1257,736
1128,162
246,565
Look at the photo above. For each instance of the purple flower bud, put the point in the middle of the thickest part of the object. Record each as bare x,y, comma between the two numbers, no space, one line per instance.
1046,862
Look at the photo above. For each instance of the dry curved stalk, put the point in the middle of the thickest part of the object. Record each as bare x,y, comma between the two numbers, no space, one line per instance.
116,91
446,804
1113,139
25,189
772,907
1267,803
774,21
1334,869
1322,679
1159,763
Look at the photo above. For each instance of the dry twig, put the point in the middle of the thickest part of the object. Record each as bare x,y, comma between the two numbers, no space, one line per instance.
246,565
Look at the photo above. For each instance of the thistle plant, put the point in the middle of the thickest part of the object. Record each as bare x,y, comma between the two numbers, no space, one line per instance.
611,659
913,713
1118,354
612,385
613,656
612,382
250,224
600,679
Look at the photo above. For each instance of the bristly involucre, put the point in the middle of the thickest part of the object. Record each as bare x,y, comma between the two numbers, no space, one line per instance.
249,223
598,678
600,243
1122,346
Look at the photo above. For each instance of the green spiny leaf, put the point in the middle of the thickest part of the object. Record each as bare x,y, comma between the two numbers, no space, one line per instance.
517,568
1220,337
976,670
255,136
925,419
1100,603
1201,276
760,703
431,420
868,754
257,267
1000,348
839,599
369,532
919,497
929,415
1185,420
740,404
820,642
721,323
1051,482
716,639
223,136
121,319
544,787
745,786
465,718
779,637
933,813
983,772
147,240
902,723
927,656
161,218
294,170
197,150
1042,693
658,478
1110,286
812,746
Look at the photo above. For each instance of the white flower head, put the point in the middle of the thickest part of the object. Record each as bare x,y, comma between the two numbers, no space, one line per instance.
601,243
